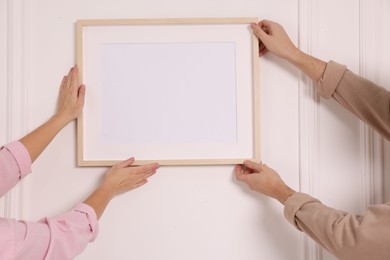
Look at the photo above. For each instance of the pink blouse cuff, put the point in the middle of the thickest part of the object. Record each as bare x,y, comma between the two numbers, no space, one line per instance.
91,217
331,78
22,157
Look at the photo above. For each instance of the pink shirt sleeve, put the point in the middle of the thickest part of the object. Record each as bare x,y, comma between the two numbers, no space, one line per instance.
61,237
15,164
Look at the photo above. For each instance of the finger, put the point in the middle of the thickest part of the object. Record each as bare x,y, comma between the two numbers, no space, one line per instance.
70,71
148,175
63,82
265,23
75,77
252,165
147,167
247,171
261,46
263,167
81,95
238,171
139,184
258,31
142,171
70,78
125,163
263,51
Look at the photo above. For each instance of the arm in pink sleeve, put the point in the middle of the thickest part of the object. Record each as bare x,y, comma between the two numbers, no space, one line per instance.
345,235
71,232
368,101
15,164
61,237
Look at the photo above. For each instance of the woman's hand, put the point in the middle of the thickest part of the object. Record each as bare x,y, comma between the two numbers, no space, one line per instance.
70,105
71,97
123,177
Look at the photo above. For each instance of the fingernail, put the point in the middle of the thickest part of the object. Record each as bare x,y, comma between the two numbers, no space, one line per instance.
253,25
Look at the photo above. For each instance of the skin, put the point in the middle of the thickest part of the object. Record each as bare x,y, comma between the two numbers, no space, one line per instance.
273,38
261,178
70,104
121,178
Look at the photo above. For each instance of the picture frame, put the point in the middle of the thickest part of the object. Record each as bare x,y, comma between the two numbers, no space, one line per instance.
171,91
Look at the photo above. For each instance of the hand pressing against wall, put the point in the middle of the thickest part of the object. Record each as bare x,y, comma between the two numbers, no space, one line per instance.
121,178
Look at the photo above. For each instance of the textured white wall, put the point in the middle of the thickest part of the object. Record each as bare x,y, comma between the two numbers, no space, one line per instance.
201,212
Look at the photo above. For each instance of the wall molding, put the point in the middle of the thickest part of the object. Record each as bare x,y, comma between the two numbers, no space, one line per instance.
308,119
3,80
14,69
371,144
371,151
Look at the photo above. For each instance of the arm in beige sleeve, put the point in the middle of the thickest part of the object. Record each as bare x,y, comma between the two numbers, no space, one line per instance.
365,99
274,38
345,235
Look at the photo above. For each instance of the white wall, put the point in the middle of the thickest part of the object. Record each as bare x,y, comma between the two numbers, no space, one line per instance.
201,212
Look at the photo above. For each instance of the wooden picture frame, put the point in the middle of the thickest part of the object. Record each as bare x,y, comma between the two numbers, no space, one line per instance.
172,91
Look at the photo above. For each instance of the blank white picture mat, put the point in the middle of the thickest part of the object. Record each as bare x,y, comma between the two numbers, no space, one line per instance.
175,101
93,38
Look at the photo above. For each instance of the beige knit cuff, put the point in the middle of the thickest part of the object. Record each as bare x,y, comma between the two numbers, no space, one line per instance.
294,203
330,79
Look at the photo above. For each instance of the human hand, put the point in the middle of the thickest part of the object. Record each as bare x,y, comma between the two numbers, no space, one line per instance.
259,177
122,177
273,37
71,96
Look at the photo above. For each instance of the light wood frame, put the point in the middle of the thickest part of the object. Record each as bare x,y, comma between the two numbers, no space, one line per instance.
255,149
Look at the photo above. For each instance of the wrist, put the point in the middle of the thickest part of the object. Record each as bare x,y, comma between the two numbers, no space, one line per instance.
106,191
99,200
284,193
61,119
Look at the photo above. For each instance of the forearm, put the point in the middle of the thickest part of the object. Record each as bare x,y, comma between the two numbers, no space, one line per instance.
99,200
311,66
37,141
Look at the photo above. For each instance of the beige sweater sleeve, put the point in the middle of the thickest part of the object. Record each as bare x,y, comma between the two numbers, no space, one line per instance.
369,102
345,235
